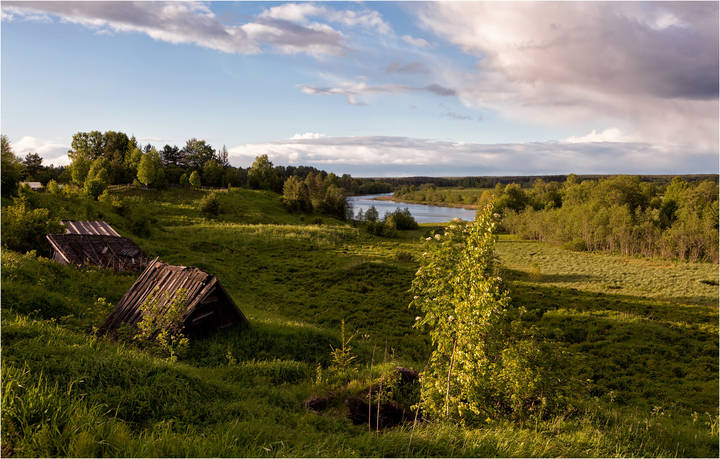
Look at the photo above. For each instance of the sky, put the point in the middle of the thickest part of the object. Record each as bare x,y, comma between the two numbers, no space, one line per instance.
374,88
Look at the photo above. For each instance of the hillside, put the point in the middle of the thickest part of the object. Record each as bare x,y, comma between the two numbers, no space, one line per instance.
642,333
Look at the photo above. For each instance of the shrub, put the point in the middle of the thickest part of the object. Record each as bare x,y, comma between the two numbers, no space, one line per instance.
195,179
94,187
161,322
24,229
210,205
53,187
404,220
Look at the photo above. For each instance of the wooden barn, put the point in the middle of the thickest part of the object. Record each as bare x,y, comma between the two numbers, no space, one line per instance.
209,306
96,243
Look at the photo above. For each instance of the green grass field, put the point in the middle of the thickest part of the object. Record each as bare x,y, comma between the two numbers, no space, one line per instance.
643,332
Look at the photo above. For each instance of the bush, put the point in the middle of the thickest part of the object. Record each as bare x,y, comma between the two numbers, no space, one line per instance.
210,205
576,245
403,219
24,229
94,187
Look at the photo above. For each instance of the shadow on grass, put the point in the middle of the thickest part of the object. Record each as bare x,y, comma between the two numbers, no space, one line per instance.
639,350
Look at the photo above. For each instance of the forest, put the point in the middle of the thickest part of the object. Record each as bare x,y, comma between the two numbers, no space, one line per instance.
669,217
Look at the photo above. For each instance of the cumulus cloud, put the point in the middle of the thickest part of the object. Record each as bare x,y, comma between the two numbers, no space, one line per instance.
193,23
53,151
404,155
650,68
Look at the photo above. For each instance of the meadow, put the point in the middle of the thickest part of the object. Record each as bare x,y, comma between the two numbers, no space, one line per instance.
642,334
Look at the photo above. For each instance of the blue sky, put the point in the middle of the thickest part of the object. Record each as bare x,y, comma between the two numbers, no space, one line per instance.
375,88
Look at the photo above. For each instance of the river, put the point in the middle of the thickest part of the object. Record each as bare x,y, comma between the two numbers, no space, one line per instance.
421,212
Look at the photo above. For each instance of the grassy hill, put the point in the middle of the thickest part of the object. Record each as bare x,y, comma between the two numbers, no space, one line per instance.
644,333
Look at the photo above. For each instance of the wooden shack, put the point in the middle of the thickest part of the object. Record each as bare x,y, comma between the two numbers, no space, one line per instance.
109,252
89,227
96,243
209,306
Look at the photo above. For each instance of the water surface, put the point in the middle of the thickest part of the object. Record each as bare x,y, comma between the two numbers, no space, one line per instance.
421,212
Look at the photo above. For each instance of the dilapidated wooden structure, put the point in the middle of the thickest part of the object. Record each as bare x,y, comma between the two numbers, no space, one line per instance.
89,227
96,243
209,306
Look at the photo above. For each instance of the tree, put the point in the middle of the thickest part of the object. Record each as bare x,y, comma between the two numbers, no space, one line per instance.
97,179
196,153
481,366
171,156
150,170
224,157
11,168
296,195
195,179
184,181
334,202
79,169
212,173
261,174
33,165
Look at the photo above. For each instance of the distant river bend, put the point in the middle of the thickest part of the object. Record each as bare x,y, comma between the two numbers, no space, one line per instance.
421,212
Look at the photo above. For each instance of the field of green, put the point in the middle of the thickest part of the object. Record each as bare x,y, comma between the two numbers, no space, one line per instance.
643,335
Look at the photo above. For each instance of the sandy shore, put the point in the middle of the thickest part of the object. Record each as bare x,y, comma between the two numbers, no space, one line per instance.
393,198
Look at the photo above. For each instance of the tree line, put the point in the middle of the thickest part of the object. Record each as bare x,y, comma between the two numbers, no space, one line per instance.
623,214
100,159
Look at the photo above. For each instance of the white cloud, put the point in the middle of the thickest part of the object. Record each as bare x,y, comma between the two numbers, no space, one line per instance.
188,23
53,151
307,135
404,155
607,135
647,68
418,42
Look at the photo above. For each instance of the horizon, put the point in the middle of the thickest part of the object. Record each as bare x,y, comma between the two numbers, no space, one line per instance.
377,90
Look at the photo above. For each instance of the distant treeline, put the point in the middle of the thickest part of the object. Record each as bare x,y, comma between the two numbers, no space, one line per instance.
524,181
621,214
107,158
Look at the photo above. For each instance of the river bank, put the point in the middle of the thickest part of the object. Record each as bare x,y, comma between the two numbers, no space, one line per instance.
444,204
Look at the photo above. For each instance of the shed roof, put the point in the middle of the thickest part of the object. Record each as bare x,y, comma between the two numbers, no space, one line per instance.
209,306
89,227
114,252
33,185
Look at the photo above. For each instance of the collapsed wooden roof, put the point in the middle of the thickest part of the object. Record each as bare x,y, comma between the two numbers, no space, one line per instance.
209,306
89,227
110,252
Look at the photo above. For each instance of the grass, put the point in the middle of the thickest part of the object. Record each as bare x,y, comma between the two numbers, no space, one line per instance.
644,332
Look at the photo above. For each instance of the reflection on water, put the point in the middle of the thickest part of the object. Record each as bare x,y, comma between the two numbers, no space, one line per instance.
421,212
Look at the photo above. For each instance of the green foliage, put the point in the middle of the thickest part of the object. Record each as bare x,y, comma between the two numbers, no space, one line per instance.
296,195
210,205
481,366
624,215
342,357
196,153
53,187
195,179
184,180
212,173
334,202
263,176
150,170
11,168
24,229
162,322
